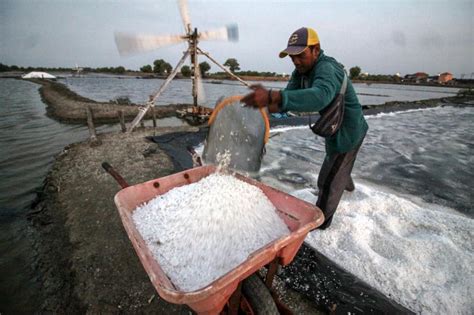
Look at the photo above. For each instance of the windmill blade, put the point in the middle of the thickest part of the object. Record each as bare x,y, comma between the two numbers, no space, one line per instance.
201,95
229,32
183,9
129,44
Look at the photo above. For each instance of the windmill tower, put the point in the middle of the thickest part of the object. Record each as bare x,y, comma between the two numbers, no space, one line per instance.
129,44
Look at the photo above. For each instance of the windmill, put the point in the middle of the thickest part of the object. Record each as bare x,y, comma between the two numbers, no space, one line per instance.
128,44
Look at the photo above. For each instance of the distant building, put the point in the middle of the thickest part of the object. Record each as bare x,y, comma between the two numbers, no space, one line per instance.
416,77
445,77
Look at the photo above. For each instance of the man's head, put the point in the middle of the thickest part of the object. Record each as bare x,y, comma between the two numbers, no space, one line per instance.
303,49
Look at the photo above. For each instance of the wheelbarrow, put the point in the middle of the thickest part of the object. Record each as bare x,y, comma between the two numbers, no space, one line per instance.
225,292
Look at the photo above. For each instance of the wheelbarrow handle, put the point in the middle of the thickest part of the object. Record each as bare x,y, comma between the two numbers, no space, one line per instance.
120,180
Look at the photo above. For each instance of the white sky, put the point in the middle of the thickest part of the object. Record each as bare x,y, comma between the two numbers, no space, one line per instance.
381,37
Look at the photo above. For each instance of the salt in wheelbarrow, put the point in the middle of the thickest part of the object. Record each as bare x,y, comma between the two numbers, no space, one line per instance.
300,217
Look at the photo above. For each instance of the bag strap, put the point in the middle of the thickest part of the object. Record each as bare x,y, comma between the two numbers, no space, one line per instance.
344,84
342,91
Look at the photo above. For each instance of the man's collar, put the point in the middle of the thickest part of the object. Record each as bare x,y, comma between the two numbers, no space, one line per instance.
311,72
320,56
321,53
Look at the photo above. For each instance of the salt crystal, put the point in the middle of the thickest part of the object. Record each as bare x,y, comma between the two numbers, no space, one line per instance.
201,231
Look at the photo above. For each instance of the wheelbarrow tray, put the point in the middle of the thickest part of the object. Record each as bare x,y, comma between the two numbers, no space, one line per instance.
299,216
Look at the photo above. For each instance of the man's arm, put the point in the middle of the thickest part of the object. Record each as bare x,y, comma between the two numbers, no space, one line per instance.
319,95
312,99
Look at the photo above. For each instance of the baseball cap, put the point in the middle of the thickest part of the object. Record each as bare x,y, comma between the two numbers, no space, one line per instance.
299,40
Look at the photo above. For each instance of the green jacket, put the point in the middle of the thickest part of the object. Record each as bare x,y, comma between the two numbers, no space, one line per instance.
324,81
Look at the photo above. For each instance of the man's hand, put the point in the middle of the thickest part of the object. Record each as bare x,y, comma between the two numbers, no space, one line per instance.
261,97
258,98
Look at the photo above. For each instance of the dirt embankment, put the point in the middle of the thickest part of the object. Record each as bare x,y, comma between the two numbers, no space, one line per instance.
67,106
396,106
85,258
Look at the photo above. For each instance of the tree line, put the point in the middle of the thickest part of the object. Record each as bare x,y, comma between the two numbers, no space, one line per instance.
162,68
355,74
159,67
115,70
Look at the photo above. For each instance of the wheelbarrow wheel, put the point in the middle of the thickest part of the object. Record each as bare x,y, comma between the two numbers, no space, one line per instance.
258,296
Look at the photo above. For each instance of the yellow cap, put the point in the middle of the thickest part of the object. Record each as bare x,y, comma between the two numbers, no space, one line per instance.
299,40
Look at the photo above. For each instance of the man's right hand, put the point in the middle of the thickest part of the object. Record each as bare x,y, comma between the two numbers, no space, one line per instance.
260,97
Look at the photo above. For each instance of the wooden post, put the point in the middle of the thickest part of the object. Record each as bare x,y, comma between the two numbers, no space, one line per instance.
121,117
154,116
94,141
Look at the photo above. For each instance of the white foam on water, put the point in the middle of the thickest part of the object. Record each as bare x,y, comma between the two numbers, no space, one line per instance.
414,253
199,148
395,113
287,128
201,231
379,115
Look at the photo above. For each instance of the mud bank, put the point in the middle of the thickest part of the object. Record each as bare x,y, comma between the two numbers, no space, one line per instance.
66,106
86,262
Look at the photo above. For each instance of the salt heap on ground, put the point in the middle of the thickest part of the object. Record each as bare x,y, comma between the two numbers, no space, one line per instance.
199,232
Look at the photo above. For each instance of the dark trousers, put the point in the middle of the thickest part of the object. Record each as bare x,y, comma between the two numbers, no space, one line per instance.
334,178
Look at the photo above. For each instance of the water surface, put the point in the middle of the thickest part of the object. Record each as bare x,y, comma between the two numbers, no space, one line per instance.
137,90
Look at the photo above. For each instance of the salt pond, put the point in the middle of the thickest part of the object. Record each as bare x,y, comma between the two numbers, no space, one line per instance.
105,88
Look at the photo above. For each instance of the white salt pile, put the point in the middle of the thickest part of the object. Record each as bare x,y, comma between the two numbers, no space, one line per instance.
199,232
419,254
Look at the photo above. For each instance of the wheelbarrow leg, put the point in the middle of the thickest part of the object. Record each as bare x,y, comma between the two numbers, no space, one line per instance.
271,272
234,301
272,269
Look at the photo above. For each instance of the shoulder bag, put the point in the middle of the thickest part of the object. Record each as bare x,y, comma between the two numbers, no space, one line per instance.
332,115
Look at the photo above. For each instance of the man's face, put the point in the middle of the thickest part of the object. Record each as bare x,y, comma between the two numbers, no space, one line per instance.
305,61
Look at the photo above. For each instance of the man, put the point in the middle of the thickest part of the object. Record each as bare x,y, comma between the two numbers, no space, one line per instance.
315,82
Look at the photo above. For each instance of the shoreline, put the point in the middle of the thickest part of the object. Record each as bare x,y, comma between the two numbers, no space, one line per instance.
85,259
67,106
